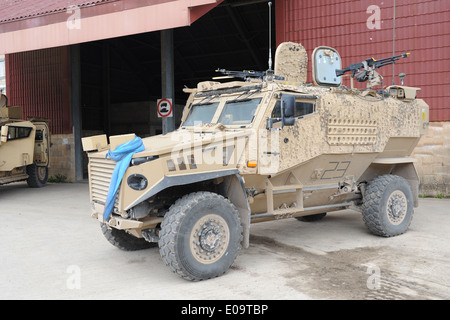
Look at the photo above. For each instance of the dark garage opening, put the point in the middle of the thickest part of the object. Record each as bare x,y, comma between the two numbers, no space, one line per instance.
121,77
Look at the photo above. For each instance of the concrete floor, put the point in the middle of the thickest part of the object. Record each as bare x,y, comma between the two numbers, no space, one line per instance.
50,248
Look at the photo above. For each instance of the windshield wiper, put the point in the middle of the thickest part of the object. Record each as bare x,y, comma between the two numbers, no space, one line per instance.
227,91
247,98
237,101
201,103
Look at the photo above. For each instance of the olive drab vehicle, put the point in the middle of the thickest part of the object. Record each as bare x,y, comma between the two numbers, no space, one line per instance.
24,147
264,147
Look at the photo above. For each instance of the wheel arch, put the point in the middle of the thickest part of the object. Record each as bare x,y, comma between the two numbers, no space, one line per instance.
401,167
229,184
387,208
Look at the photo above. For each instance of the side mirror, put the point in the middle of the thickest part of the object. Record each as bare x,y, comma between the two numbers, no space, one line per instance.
4,134
287,110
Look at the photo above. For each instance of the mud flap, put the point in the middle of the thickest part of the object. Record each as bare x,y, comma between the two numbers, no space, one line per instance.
235,192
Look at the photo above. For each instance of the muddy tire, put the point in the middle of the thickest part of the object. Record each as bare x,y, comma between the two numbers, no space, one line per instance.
388,206
124,240
200,236
37,176
312,217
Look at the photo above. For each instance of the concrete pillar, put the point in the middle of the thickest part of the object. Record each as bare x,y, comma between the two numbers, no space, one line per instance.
76,108
167,77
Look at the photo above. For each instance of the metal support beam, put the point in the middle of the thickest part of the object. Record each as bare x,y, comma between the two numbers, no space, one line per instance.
76,108
106,88
167,77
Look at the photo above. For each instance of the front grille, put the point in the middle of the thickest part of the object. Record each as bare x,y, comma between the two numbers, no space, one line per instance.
100,178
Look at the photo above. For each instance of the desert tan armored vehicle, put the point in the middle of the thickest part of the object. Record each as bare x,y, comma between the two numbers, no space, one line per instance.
265,148
24,147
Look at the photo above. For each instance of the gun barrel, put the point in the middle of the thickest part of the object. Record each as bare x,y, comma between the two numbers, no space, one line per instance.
393,58
384,63
371,63
247,73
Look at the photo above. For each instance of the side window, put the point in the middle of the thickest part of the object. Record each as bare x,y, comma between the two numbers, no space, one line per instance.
301,109
39,135
18,132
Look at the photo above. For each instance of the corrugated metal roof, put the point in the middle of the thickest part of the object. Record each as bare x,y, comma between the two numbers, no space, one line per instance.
12,10
422,27
29,25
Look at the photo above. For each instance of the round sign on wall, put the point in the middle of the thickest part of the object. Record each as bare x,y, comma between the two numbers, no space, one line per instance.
164,108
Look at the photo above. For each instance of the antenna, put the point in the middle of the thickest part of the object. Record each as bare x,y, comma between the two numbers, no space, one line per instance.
393,48
270,35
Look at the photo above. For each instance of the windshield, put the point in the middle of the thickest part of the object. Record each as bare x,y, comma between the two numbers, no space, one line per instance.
200,114
239,112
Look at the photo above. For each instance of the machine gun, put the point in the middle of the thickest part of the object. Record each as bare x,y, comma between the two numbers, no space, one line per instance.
251,74
369,66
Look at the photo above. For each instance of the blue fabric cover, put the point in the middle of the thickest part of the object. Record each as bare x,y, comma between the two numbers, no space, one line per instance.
122,155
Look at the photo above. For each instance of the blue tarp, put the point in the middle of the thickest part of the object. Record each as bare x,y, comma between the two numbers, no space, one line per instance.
122,155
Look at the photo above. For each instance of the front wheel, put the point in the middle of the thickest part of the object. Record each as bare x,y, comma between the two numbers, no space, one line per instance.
200,236
388,205
37,175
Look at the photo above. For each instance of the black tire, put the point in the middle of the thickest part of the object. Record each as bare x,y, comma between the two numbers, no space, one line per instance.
37,175
388,206
312,217
123,240
200,236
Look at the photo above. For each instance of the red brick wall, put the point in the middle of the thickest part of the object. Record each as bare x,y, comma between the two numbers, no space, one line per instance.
39,81
351,27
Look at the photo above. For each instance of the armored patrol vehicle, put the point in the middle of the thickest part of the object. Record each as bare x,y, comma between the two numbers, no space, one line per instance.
266,147
24,147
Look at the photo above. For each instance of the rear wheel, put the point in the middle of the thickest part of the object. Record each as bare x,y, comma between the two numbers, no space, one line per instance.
37,175
200,236
388,206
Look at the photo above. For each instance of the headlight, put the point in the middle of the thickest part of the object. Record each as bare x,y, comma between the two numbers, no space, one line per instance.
137,182
138,161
